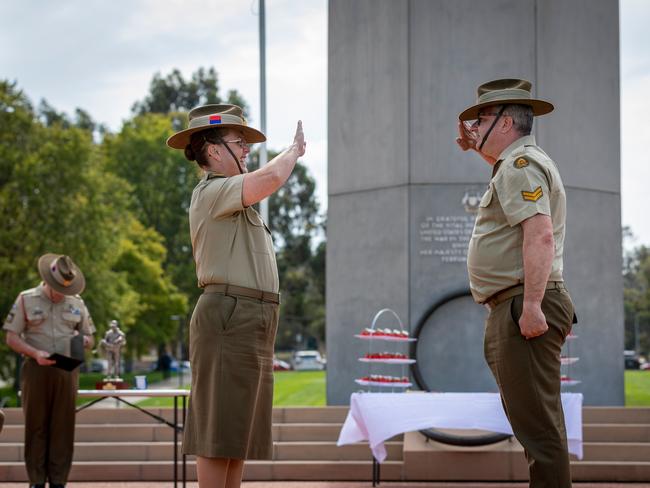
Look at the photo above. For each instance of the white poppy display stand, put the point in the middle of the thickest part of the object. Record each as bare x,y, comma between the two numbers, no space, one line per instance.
373,336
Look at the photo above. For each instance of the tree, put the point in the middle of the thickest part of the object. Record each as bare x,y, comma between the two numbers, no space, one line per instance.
16,122
174,94
294,222
636,296
141,259
57,196
161,181
49,116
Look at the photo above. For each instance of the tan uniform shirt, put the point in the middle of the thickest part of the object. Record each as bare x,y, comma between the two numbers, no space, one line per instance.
46,325
231,244
525,182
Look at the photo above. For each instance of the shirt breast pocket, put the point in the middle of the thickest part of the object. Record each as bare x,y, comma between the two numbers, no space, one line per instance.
35,314
71,319
487,198
485,218
35,317
260,235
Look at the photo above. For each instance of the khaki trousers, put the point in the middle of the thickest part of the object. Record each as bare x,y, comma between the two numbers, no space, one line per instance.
48,395
528,375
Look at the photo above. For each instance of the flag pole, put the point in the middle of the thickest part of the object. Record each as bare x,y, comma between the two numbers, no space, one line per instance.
264,204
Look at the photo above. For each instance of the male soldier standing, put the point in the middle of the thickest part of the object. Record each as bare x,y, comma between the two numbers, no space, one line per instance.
515,268
42,321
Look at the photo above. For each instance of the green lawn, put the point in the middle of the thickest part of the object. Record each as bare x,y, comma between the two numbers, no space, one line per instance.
299,389
637,388
87,381
292,389
307,388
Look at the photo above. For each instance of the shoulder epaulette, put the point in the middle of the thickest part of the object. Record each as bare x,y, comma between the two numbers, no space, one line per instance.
30,292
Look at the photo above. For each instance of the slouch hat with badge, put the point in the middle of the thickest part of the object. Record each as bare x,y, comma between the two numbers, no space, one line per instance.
213,117
61,274
507,91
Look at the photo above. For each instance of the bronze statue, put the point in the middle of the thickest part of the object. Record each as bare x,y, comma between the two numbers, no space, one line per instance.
114,340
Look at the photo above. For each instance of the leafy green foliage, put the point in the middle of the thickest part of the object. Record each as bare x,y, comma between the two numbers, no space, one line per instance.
118,203
58,196
174,94
141,259
636,296
161,200
161,181
294,220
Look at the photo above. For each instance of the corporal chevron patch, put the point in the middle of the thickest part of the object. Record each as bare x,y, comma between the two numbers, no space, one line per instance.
532,196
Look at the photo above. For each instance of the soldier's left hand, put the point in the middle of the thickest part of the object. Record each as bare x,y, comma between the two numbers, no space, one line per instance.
532,322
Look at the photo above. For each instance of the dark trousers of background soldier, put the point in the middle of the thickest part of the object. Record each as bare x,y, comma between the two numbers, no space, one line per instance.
49,401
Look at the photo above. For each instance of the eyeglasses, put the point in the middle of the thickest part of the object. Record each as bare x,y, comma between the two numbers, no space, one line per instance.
484,114
240,142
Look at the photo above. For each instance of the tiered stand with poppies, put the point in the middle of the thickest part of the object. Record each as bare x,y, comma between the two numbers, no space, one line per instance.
390,338
566,380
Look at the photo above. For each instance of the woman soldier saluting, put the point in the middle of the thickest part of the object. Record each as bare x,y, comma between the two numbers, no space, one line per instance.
233,327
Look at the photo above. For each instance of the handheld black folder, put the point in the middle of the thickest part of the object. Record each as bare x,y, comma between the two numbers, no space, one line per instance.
64,362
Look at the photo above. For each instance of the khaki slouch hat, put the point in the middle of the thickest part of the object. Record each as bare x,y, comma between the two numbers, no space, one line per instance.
61,274
213,117
505,92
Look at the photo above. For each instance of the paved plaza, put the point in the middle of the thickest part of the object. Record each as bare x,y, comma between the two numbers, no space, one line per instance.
332,484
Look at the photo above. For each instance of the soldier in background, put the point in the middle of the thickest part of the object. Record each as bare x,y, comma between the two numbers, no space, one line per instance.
43,321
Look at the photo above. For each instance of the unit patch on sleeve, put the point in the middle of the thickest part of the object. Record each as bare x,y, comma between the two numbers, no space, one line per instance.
532,196
521,163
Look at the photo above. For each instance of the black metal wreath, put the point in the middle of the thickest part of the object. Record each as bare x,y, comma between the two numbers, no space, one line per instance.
437,435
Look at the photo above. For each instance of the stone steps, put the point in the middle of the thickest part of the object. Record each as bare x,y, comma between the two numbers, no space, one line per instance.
611,470
253,471
616,415
116,444
163,451
152,432
160,433
127,415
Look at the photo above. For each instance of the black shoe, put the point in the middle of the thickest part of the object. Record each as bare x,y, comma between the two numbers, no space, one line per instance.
37,485
56,485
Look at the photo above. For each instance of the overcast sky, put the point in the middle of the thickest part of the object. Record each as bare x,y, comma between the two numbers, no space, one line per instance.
100,55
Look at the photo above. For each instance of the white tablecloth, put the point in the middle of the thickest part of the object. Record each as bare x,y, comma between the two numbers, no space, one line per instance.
376,417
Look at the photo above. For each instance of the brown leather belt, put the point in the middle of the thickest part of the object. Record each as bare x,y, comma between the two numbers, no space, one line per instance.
242,291
513,291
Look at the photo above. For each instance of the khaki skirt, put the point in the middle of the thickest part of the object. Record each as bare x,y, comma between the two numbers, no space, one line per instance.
231,354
